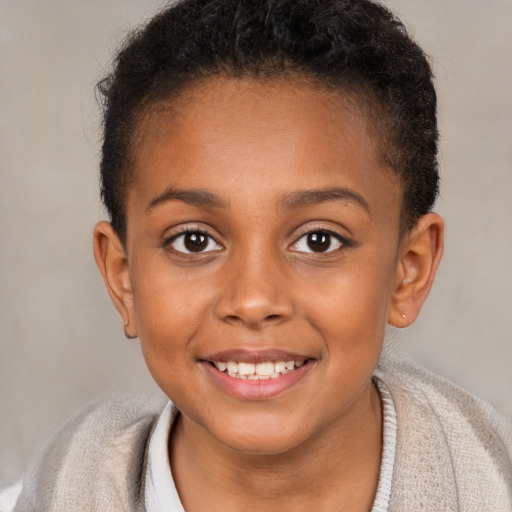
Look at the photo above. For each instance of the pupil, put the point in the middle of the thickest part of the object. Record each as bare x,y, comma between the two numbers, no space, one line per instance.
196,242
319,242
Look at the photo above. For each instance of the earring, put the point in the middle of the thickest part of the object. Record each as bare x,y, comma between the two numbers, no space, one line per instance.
404,316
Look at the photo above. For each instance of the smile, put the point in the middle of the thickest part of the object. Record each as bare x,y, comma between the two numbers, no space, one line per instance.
260,371
257,375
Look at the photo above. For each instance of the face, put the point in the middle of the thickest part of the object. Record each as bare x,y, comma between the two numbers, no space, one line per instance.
262,236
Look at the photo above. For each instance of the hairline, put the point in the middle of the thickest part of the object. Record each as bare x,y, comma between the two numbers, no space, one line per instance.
353,94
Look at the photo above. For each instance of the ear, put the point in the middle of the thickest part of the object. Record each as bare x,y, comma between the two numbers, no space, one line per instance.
111,259
419,257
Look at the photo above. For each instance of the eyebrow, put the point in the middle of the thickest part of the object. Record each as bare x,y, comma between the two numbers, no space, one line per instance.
195,197
293,201
305,198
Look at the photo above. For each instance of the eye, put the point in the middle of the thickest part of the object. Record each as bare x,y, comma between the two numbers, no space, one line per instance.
318,242
193,242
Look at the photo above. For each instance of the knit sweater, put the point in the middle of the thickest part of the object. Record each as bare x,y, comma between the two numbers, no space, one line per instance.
453,451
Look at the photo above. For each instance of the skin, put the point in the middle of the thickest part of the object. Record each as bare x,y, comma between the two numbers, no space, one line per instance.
264,149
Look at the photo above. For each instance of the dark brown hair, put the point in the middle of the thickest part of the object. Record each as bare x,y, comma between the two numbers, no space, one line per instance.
357,46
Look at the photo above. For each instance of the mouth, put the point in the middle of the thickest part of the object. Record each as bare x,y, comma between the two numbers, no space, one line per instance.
257,375
258,371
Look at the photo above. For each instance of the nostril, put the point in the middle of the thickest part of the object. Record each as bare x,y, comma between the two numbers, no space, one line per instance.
254,306
253,320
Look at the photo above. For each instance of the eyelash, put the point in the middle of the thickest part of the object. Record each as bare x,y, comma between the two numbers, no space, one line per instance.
170,242
190,231
343,242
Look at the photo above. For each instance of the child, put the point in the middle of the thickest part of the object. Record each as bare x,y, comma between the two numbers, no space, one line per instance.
269,168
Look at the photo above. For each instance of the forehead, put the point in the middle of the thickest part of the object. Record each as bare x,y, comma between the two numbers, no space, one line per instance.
236,135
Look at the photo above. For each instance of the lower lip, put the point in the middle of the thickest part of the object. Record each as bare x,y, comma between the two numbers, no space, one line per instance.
256,389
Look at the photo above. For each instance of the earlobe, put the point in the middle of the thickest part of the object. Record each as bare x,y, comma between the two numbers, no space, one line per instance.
111,259
420,254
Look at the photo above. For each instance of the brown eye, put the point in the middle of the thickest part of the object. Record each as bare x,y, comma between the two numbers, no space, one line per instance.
318,242
195,242
191,242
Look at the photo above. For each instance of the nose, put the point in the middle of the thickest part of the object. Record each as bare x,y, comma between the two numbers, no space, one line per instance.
254,294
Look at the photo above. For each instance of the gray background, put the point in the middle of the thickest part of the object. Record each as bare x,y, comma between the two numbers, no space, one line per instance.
61,342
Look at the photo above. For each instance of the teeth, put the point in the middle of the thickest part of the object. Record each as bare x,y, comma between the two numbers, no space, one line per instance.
232,367
260,371
246,368
280,367
265,369
221,366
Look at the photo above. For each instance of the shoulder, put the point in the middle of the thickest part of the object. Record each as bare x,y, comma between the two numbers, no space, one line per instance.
97,457
417,389
447,440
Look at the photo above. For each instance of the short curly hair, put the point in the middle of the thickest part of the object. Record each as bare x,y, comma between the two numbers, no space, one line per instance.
355,46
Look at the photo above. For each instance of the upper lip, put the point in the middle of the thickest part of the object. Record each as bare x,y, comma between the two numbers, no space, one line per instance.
254,356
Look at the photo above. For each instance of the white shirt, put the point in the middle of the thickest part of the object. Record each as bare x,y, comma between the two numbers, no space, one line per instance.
9,497
160,492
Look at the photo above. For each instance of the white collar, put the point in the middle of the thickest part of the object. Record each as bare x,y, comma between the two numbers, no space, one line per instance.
387,460
160,491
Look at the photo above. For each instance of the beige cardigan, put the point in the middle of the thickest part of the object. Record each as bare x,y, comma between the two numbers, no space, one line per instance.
453,453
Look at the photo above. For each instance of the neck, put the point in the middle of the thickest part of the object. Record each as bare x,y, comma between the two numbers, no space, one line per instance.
338,469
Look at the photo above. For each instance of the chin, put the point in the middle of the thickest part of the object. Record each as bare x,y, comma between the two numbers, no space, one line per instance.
266,440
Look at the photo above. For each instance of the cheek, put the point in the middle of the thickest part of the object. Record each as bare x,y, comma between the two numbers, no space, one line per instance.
351,305
169,311
168,296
